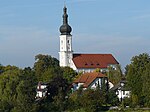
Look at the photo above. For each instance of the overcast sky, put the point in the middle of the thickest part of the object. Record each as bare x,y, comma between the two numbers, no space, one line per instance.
31,27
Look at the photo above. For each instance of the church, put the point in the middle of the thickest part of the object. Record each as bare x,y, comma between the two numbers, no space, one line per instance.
80,62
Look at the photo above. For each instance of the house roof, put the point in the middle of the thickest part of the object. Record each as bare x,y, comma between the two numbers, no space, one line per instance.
93,60
118,86
88,78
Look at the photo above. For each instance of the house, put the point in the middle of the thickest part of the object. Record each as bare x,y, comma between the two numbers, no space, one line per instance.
80,62
41,90
121,90
90,80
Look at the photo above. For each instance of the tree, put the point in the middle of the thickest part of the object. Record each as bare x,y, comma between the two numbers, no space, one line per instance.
56,100
8,83
114,75
97,70
1,69
112,98
138,77
58,83
89,100
17,89
69,74
146,85
26,90
45,61
46,67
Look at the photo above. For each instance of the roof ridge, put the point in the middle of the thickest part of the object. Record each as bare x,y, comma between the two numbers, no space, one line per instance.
94,53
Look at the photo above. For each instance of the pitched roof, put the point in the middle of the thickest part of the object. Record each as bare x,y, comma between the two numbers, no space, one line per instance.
88,78
118,86
93,60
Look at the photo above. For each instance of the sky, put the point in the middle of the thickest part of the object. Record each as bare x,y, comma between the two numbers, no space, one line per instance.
31,27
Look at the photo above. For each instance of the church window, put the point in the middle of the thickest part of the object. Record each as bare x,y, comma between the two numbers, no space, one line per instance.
61,41
68,41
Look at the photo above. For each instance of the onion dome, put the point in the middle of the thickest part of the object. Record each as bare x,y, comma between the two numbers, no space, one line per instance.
65,29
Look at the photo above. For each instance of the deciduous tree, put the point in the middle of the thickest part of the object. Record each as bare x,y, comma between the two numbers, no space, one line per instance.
114,74
138,77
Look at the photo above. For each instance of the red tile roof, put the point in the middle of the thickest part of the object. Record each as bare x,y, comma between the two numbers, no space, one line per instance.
93,60
88,78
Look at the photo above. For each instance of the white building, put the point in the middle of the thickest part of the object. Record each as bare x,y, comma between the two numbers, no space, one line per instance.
121,90
90,80
41,90
80,62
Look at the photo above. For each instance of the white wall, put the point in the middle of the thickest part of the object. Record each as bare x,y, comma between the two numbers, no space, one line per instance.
96,82
122,94
41,92
90,69
65,53
42,87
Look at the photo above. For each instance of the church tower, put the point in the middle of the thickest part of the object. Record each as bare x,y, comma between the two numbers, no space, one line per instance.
65,53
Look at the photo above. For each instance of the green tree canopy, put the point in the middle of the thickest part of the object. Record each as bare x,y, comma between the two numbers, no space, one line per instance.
69,74
114,75
46,67
17,89
138,74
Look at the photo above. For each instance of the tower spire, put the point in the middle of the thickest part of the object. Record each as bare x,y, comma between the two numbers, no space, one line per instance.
65,29
64,3
65,16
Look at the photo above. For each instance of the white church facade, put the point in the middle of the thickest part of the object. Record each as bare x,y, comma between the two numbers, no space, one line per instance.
80,62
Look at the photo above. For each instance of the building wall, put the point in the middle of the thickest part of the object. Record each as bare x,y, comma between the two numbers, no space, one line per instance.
122,94
110,85
41,87
66,53
40,94
77,86
97,81
72,65
41,90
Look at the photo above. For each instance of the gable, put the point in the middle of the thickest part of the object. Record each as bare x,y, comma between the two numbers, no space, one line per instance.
93,60
88,78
